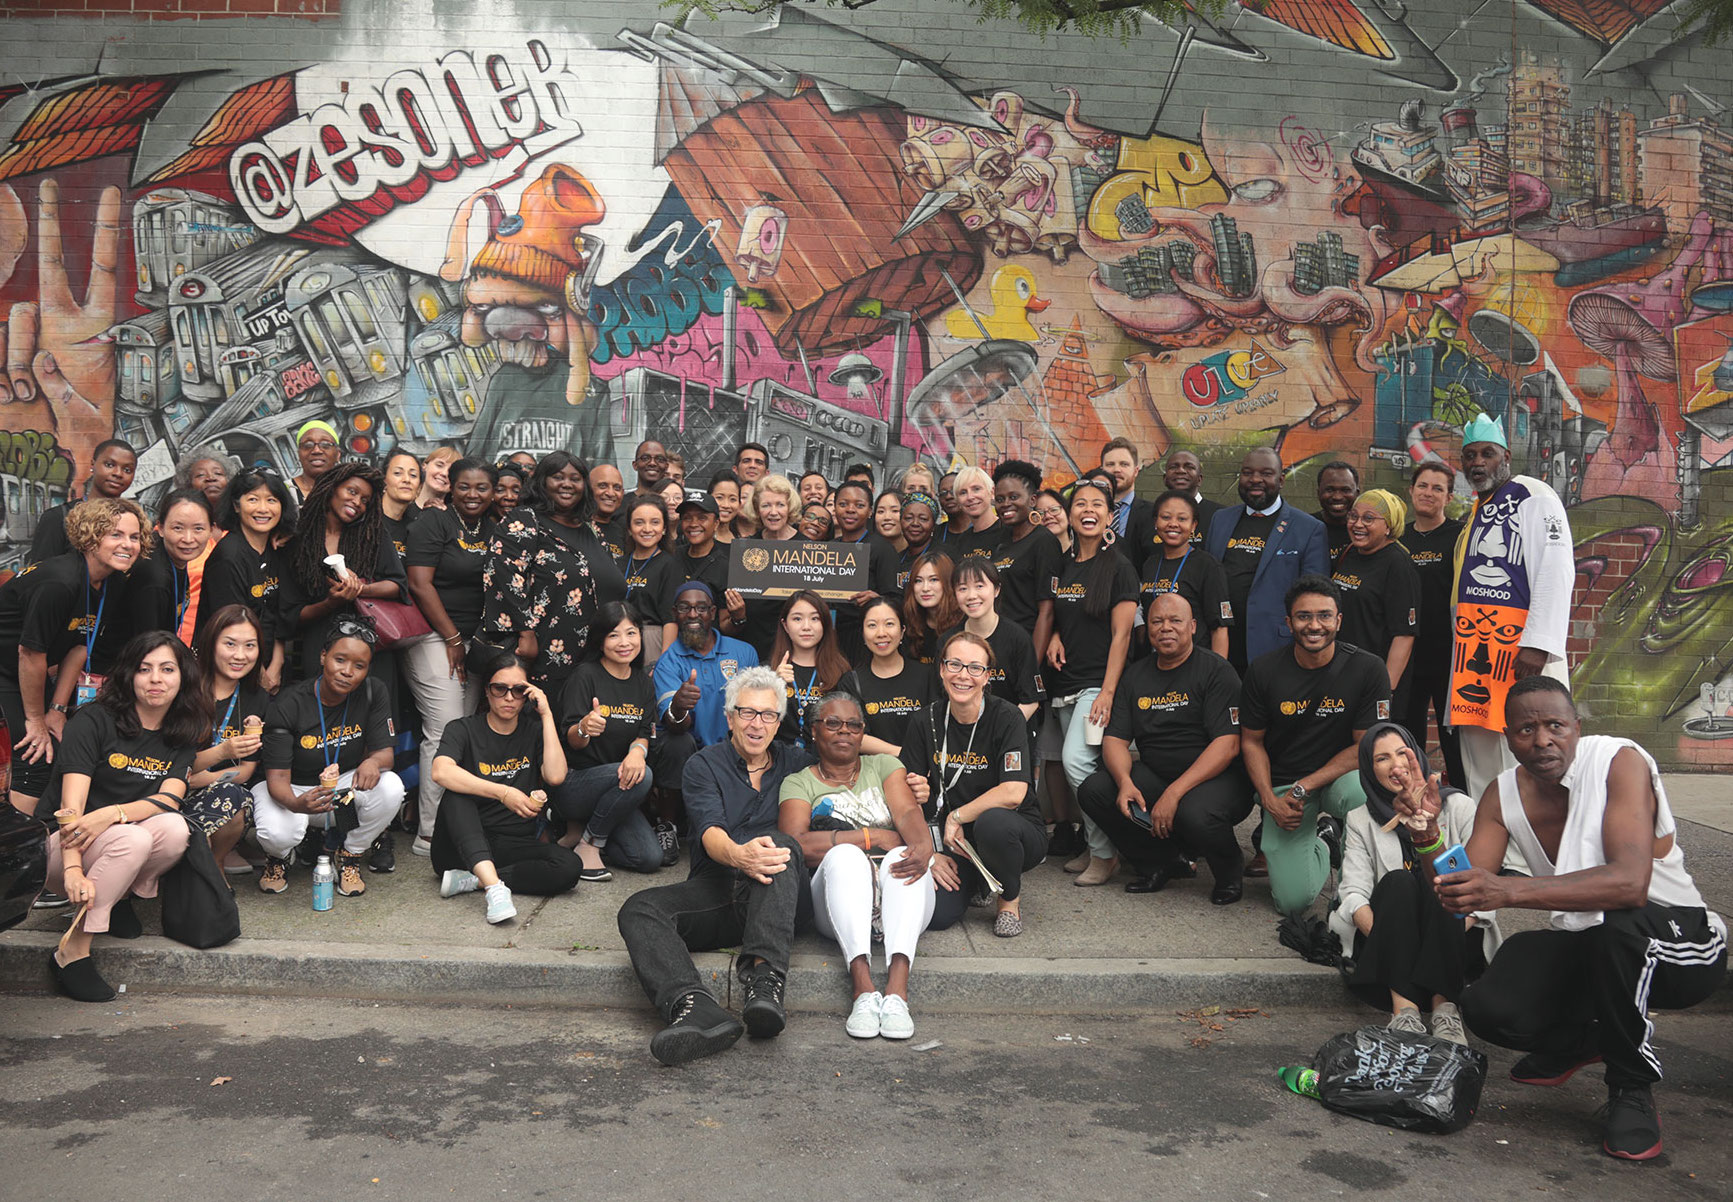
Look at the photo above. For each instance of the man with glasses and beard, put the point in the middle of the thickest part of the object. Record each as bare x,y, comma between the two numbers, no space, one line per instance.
690,678
745,886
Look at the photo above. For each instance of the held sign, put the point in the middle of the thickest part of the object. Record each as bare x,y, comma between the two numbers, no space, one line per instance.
783,567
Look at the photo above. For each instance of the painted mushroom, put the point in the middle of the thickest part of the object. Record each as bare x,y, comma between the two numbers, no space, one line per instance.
1611,327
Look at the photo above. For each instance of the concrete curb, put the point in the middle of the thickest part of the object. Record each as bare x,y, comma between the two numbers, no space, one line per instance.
605,979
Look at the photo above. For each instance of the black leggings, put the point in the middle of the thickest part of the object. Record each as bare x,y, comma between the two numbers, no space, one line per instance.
1427,684
1416,948
1008,844
525,864
1570,992
1203,825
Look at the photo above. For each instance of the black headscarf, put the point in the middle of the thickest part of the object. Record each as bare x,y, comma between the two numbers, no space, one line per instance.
1381,802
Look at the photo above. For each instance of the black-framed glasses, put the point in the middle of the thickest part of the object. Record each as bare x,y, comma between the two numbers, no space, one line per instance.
853,726
502,691
694,608
748,715
957,665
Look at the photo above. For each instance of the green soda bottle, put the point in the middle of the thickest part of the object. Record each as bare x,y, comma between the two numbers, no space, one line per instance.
1303,1081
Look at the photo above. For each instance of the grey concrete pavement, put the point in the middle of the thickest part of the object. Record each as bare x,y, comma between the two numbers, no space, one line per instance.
1094,950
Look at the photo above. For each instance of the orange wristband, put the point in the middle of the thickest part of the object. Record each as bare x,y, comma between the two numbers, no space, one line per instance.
868,832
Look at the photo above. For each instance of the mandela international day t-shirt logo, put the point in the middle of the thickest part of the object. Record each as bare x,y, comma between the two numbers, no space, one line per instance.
309,742
755,559
117,760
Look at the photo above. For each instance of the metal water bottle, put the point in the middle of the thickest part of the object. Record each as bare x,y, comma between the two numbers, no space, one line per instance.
324,884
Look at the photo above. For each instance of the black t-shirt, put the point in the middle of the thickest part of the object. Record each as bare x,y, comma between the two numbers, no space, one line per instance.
650,585
229,720
966,542
1338,535
49,540
300,734
1087,640
1380,597
235,574
629,706
962,761
1172,715
1245,550
120,769
294,597
891,701
51,607
1026,567
1197,576
1433,554
906,562
1206,509
397,529
616,538
1309,714
805,690
712,569
513,761
457,553
157,594
1016,672
605,573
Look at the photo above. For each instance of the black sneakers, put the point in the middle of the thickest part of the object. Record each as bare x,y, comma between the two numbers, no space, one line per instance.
1544,1068
669,838
1633,1132
382,856
1067,841
763,1011
697,1027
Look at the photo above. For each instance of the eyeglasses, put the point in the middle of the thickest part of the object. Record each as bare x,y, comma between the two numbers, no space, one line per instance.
854,726
310,444
957,665
502,691
652,459
694,608
750,716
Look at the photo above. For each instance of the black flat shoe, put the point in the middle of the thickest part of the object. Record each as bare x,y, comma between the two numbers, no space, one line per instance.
123,921
595,874
1227,895
80,981
1155,882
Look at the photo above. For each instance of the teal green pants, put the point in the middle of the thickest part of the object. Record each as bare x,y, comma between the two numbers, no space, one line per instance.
1300,861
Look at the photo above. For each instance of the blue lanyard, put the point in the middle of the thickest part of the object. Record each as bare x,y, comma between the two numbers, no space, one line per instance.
223,722
325,731
90,635
183,598
1177,572
632,565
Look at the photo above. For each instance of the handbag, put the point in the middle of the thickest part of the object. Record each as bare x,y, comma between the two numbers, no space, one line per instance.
198,907
394,622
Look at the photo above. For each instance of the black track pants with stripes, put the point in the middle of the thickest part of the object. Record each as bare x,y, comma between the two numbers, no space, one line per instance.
1567,992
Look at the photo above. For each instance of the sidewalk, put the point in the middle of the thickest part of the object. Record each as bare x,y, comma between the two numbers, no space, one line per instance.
1085,950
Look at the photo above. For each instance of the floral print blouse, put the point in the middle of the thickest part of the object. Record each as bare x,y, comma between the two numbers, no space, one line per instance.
538,579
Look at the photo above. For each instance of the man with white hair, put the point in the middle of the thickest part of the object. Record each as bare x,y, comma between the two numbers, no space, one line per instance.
744,889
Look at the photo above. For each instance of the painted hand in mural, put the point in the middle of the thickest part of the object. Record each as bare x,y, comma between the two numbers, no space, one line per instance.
51,355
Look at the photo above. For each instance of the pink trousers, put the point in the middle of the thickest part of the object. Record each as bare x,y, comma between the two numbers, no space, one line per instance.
124,859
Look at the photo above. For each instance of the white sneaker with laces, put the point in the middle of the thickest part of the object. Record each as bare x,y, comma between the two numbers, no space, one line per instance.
499,907
456,881
863,1020
423,846
894,1020
1408,1021
1447,1023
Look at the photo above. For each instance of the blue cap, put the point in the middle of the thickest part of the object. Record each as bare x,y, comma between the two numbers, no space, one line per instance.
696,586
1485,429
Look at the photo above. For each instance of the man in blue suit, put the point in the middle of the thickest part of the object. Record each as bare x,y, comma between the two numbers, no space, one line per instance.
1264,545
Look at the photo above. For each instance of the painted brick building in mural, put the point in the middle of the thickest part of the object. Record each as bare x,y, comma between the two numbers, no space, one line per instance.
891,234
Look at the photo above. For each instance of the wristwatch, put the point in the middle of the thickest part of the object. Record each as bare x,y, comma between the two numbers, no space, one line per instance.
61,707
1298,792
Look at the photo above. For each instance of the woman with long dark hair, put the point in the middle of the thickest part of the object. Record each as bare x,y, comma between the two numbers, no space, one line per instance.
221,798
1094,608
492,764
165,590
730,524
540,585
652,573
397,505
115,796
342,516
929,607
893,686
248,567
1016,675
608,715
808,657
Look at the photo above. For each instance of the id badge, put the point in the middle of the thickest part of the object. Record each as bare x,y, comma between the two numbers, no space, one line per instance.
87,688
938,833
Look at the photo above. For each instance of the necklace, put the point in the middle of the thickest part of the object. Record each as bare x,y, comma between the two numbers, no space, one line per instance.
818,770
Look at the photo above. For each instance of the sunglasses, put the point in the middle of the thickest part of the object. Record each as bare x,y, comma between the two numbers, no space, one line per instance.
502,691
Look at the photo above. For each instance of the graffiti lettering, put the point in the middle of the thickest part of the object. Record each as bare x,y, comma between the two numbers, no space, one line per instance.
1227,377
458,113
34,456
299,379
655,302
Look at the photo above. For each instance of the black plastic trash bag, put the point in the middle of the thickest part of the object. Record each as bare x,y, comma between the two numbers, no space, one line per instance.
1414,1082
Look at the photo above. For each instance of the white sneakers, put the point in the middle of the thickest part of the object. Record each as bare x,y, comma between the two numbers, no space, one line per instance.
874,1014
499,903
456,881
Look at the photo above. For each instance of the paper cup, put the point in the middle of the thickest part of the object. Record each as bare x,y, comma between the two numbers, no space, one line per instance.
1092,734
336,564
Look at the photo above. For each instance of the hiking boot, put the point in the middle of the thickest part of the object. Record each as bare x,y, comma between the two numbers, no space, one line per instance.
697,1027
274,876
349,882
382,856
763,1010
1633,1130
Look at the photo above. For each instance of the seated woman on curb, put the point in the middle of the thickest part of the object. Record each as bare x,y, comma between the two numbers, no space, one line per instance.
325,738
230,648
844,810
608,712
968,762
1408,951
119,777
495,766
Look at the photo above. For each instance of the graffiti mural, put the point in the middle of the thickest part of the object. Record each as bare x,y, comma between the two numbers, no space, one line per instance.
713,232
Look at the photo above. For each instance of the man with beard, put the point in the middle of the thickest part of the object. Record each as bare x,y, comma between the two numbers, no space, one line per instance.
608,492
1133,516
526,296
1338,486
1264,545
1183,473
690,678
1515,568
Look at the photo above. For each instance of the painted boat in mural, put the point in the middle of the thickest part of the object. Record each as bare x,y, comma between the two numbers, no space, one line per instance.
1599,243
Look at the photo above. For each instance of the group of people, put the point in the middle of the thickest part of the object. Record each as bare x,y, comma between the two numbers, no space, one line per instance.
1078,672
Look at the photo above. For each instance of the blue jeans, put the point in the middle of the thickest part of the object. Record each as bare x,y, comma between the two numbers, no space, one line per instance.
610,816
1080,759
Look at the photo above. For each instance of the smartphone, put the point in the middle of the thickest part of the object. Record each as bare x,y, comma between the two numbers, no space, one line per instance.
1451,859
346,815
1141,817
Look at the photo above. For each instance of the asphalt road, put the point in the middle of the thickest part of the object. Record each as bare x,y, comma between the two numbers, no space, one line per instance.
230,1098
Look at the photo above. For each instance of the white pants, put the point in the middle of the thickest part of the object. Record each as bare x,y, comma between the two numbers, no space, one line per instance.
1484,755
842,902
440,698
280,831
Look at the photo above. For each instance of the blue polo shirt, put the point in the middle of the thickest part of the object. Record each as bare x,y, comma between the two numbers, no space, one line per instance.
726,657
